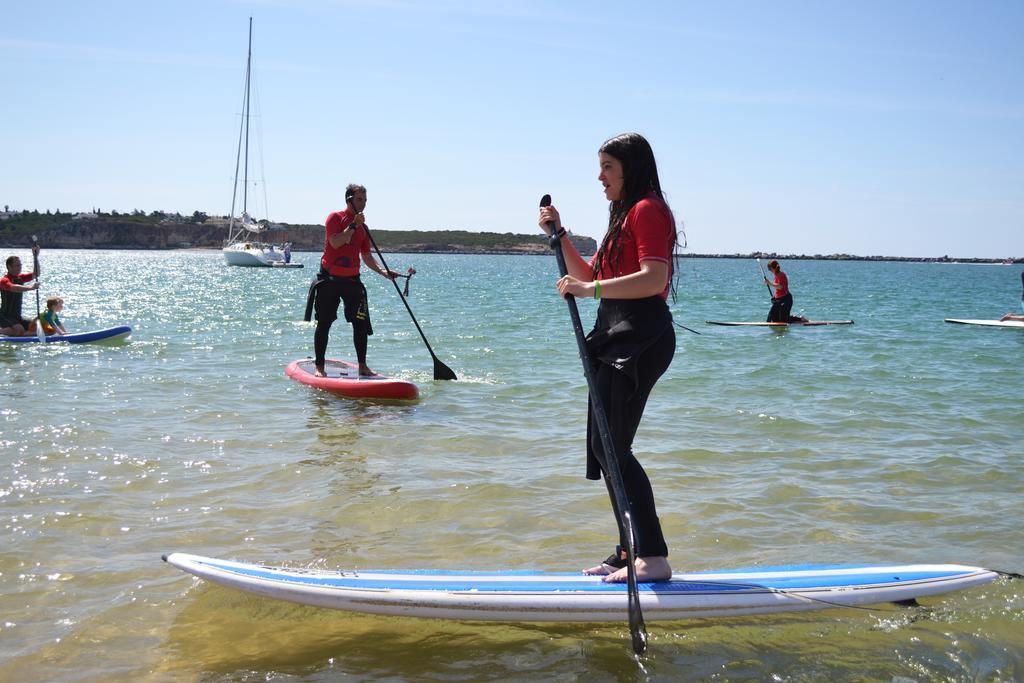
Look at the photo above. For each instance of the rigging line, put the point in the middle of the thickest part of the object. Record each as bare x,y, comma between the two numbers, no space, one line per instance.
248,72
259,147
238,162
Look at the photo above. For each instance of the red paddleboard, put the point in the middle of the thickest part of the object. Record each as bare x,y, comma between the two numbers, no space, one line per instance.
343,379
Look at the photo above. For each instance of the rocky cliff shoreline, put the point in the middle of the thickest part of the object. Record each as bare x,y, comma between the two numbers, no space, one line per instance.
162,231
173,231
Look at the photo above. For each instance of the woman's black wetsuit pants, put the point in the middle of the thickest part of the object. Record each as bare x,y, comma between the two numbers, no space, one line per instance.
624,404
779,312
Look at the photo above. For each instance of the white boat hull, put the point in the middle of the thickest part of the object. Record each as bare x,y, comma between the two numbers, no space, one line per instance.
253,255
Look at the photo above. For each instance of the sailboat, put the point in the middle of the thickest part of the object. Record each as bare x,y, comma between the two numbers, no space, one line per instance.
243,246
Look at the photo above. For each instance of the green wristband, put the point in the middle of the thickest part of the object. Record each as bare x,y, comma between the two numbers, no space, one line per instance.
597,289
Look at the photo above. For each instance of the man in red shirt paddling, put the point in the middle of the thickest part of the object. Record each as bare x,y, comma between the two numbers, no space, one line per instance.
12,289
346,243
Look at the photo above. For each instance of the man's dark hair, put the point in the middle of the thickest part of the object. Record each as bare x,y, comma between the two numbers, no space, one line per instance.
10,260
350,191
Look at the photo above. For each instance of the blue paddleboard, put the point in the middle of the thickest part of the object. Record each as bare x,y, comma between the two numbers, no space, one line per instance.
110,334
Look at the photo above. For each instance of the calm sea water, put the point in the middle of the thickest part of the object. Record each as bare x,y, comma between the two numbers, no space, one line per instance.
898,439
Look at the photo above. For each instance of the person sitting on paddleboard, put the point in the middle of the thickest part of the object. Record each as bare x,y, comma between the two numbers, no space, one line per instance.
782,300
12,288
51,317
633,342
346,242
1011,315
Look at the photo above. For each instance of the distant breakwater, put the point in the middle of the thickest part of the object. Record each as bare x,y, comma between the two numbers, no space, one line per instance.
172,231
853,257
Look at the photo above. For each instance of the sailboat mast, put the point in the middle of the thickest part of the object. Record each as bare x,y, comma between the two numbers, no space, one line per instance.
248,70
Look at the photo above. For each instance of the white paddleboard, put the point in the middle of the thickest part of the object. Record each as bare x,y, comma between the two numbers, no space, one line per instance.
809,323
987,323
513,596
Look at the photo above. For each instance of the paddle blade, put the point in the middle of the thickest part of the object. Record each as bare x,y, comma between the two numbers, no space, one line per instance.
637,627
442,371
638,633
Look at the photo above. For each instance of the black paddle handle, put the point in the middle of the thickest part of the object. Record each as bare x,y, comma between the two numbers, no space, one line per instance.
611,464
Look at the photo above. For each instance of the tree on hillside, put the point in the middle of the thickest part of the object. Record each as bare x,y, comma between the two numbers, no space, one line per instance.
199,217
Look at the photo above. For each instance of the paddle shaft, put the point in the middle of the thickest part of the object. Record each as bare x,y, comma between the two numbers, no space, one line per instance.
35,272
441,371
612,470
765,275
39,311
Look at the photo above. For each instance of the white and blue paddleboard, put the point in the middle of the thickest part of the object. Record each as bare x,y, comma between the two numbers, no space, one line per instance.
809,323
547,596
987,323
110,334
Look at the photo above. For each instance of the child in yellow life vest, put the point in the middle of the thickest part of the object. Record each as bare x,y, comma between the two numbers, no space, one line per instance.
50,317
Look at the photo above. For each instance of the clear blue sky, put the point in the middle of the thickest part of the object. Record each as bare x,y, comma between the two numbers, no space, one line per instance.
810,127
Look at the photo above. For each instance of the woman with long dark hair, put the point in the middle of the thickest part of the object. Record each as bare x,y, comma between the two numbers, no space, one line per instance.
633,342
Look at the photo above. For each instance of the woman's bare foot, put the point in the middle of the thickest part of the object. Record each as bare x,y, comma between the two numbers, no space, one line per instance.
365,371
319,371
606,567
600,570
648,569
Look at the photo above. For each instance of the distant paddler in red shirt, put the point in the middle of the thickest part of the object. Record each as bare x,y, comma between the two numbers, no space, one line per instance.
1018,317
782,300
346,244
